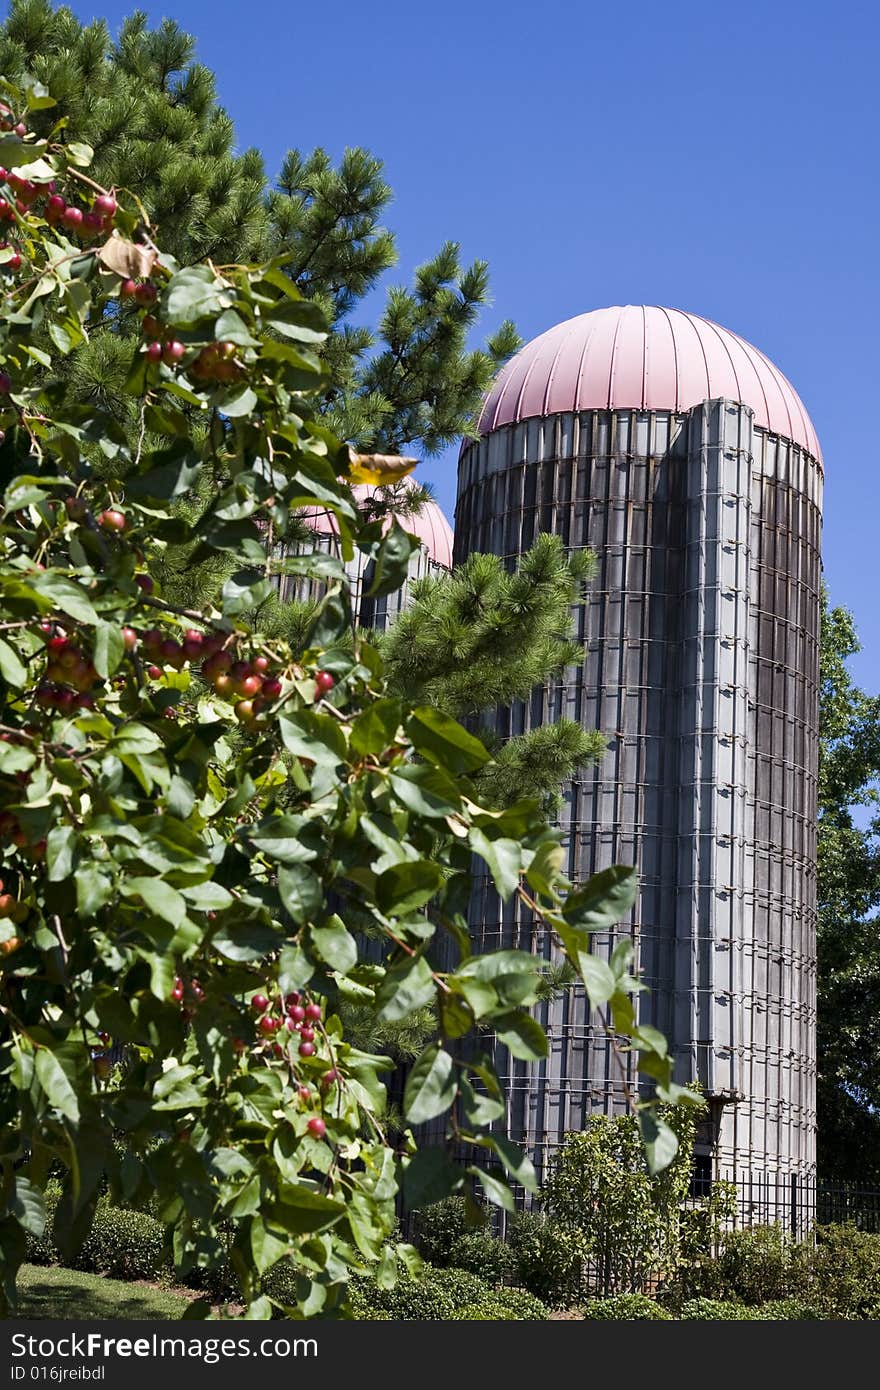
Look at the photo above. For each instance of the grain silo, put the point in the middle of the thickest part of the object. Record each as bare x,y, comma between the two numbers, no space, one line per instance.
686,460
432,558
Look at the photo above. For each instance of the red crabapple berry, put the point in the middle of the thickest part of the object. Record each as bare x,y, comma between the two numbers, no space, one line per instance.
297,1013
267,1025
304,1093
154,352
112,520
307,1034
259,1003
173,352
129,639
324,682
146,293
313,1011
306,1049
292,1000
128,288
105,204
72,218
316,1127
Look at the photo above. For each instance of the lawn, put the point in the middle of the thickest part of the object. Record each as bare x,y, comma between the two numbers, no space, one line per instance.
49,1292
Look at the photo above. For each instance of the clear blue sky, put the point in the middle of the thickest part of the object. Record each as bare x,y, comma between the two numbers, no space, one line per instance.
721,160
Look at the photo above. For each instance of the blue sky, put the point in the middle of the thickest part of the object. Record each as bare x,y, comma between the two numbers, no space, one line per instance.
719,161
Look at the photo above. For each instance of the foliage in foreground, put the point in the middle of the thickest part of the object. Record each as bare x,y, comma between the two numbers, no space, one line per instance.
193,814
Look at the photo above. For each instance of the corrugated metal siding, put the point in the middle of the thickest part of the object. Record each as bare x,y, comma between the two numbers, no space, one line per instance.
701,637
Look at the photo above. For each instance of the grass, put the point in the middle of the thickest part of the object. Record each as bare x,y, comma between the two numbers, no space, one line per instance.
46,1291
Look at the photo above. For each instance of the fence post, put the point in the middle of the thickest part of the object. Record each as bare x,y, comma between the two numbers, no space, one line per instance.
793,1178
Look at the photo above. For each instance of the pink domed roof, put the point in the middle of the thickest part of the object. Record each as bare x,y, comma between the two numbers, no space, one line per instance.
429,524
639,357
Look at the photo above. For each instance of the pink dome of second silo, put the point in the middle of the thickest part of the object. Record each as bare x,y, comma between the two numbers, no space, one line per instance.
640,357
429,524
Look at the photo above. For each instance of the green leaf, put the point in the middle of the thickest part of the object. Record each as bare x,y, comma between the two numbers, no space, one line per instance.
406,987
443,741
522,1035
93,890
28,1206
376,727
109,648
335,945
56,1084
60,849
405,887
545,868
426,791
516,1163
598,978
495,1189
604,900
231,327
431,1086
161,899
287,839
80,153
267,1249
294,969
504,858
480,1109
429,1176
392,562
660,1142
14,758
66,595
300,891
11,668
246,940
193,294
241,401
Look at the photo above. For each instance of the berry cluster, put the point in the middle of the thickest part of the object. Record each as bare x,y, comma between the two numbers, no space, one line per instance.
255,682
295,1016
188,994
70,675
217,362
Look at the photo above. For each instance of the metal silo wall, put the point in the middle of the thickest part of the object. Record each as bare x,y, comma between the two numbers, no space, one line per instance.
707,535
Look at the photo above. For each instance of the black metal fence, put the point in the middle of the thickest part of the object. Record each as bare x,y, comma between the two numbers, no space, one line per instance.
799,1202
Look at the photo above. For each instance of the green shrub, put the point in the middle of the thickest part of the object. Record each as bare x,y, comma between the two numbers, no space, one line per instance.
625,1306
479,1253
483,1312
524,1306
437,1228
845,1268
546,1260
124,1245
753,1266
789,1310
434,1297
715,1310
718,1309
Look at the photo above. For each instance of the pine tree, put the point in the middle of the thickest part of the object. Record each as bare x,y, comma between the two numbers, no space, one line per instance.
484,637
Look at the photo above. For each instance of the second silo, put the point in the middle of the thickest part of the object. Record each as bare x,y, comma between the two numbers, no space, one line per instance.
686,460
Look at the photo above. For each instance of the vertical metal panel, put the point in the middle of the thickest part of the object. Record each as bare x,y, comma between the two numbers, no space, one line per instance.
701,667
